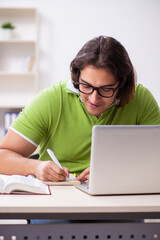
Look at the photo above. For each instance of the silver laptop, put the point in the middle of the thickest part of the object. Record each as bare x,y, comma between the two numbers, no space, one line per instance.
124,160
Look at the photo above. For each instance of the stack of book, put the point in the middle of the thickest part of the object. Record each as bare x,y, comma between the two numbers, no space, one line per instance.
9,118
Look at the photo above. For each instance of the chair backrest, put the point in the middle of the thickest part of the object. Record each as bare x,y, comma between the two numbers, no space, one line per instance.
34,156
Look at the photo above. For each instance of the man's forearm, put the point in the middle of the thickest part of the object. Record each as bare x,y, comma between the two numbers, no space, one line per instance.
14,163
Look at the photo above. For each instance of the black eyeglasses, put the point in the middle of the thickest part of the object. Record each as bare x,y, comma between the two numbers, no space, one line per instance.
103,91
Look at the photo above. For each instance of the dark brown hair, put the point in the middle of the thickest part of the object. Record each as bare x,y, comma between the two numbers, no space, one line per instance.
107,53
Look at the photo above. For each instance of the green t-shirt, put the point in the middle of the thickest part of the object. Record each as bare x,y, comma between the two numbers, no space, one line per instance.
57,119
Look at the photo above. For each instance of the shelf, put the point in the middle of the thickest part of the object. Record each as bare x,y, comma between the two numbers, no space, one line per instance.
16,74
29,41
19,57
25,21
10,100
15,11
18,60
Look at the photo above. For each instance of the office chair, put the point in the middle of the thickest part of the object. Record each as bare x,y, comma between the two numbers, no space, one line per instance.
34,156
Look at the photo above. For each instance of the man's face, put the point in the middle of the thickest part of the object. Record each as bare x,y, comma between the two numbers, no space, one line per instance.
94,103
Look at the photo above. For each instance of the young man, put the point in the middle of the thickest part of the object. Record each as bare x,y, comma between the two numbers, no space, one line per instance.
102,90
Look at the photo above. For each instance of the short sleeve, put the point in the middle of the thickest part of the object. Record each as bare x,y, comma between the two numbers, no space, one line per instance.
35,119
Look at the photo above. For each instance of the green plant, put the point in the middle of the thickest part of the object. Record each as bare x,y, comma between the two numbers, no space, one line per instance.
7,25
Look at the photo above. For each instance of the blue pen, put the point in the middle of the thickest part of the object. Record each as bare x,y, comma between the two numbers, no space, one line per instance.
53,157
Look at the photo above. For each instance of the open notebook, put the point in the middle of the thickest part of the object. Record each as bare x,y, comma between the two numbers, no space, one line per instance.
69,181
124,160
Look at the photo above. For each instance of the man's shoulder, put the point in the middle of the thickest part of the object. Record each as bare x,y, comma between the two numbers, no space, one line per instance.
142,97
140,88
54,90
142,92
56,86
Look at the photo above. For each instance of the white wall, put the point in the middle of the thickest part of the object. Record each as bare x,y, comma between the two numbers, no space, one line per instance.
65,25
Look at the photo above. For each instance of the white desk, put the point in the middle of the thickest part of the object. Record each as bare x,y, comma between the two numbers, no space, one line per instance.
67,202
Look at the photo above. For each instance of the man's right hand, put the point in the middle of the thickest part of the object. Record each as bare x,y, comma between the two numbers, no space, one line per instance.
49,171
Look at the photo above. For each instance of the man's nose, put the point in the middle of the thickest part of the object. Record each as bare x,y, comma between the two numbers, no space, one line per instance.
94,96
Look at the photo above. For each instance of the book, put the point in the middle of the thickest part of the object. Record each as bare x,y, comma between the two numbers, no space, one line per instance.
28,64
9,118
69,181
22,184
31,64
